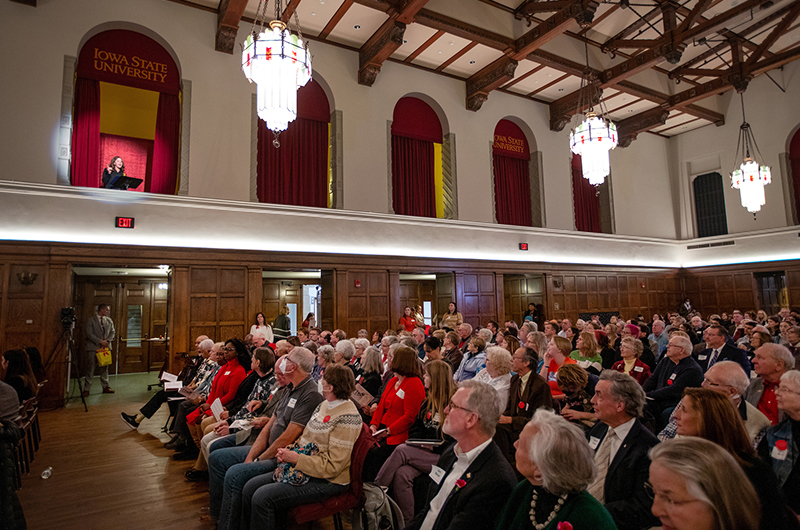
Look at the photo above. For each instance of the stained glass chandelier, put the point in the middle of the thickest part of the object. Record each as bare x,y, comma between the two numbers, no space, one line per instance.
278,61
593,134
751,177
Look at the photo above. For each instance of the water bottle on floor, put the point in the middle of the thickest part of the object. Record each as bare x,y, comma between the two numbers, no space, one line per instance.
47,472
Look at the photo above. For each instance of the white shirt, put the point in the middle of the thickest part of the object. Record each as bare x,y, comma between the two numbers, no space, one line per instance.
620,433
463,461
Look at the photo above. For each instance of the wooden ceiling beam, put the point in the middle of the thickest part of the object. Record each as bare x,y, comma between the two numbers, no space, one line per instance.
228,16
774,35
289,11
582,11
529,8
630,128
488,78
696,12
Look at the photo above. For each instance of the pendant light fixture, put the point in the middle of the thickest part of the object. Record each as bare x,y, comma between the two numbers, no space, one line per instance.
278,61
751,177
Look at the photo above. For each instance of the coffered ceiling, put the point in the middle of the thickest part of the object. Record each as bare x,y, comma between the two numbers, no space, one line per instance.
658,61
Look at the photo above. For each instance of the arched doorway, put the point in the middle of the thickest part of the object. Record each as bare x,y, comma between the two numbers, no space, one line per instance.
512,185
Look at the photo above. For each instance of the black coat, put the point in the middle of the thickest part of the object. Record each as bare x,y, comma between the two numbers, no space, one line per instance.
625,496
727,353
537,394
480,501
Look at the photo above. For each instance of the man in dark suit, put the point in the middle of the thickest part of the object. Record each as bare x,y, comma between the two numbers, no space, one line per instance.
718,350
621,444
528,392
472,479
675,371
99,334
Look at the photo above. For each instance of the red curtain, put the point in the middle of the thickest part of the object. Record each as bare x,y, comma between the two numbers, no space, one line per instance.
166,145
585,200
512,191
295,173
136,152
794,160
86,165
412,177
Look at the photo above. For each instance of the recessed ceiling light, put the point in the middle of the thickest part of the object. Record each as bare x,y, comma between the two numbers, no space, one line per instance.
472,62
313,14
451,43
322,2
356,27
440,51
560,89
405,41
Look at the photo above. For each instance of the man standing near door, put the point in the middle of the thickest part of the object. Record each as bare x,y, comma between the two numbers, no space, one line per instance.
99,334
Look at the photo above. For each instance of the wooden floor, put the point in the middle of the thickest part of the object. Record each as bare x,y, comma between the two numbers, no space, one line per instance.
106,475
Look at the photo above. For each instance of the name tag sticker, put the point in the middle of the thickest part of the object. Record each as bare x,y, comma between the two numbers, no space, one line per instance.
673,376
594,441
777,454
292,403
702,357
638,368
436,418
228,372
401,394
437,474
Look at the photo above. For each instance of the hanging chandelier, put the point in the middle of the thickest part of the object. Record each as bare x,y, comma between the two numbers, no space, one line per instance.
751,177
593,134
278,61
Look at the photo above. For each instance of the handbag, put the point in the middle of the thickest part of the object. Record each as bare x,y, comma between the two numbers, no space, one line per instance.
103,357
286,472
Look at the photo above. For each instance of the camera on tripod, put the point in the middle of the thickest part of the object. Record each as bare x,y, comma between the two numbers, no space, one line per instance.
67,317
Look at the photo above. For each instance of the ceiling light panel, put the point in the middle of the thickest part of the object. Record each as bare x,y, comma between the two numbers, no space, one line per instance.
445,47
626,112
536,81
357,25
560,89
673,122
522,68
314,15
415,36
475,59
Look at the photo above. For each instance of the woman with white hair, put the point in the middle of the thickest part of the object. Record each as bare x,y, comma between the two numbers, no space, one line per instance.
558,465
358,359
497,373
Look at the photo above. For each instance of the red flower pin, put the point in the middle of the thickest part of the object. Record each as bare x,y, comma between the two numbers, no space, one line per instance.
522,404
460,483
564,526
781,445
669,381
326,419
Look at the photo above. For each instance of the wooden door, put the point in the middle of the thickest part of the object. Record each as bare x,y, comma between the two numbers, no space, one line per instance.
159,297
771,291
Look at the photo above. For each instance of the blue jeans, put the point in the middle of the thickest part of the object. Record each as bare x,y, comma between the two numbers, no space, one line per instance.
262,497
227,476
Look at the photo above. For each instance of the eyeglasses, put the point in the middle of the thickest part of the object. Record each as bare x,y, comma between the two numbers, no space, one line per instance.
454,406
708,382
782,389
229,348
651,492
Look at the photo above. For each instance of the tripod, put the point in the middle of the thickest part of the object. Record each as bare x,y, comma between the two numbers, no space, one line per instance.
72,361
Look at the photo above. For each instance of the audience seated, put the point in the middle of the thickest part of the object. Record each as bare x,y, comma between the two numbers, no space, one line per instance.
586,353
675,371
497,372
557,355
576,406
474,360
472,479
770,362
19,374
556,463
719,350
11,514
697,485
631,350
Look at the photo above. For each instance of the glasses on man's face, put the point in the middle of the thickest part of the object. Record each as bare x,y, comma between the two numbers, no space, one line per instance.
454,406
708,383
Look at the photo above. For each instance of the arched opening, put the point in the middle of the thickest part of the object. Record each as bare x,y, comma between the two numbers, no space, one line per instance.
794,164
298,172
586,200
512,184
416,159
126,104
709,205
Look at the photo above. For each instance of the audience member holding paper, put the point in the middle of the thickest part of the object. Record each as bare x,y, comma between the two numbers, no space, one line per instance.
242,414
197,367
224,388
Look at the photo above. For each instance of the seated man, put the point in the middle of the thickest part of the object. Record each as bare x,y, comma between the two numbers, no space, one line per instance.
198,368
717,349
770,362
231,468
473,479
621,443
676,371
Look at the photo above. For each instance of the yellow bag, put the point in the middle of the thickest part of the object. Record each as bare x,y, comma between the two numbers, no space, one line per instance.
103,357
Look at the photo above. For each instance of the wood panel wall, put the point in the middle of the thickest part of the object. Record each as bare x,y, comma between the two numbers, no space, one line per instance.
364,300
477,294
519,291
218,303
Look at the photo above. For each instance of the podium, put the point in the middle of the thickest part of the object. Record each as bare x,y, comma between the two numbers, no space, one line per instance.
123,183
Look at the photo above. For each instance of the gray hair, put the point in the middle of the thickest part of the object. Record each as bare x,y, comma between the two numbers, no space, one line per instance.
327,352
362,343
625,388
793,376
499,357
260,334
713,477
485,334
206,345
683,342
372,360
303,358
779,353
529,326
467,326
388,340
561,453
346,348
411,343
540,340
484,401
733,375
636,344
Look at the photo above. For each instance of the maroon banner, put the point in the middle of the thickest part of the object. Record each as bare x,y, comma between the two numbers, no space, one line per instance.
129,58
413,118
509,140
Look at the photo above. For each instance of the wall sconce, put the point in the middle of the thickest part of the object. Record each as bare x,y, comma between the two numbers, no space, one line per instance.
557,283
26,277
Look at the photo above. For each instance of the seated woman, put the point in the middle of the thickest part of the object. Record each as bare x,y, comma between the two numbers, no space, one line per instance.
361,345
35,356
19,374
317,466
586,354
498,372
606,353
709,414
577,406
556,356
408,462
397,409
697,485
631,349
558,465
343,354
325,356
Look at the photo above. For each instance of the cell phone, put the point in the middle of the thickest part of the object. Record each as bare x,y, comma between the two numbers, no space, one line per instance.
379,432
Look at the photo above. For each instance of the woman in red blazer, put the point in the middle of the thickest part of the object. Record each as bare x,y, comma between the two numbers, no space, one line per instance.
631,349
397,409
227,380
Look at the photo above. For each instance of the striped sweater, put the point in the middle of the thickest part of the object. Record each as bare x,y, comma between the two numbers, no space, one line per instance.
334,431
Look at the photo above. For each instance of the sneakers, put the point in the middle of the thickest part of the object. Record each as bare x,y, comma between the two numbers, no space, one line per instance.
129,420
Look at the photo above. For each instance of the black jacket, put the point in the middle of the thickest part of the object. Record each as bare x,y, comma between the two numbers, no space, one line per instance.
727,353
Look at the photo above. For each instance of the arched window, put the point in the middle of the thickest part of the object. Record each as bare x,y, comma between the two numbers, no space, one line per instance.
512,186
794,161
127,104
709,205
416,159
297,172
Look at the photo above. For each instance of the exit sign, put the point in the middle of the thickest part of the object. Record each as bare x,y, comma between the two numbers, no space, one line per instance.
124,222
523,246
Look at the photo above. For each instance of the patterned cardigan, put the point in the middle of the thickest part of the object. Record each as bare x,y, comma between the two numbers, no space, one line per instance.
334,431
